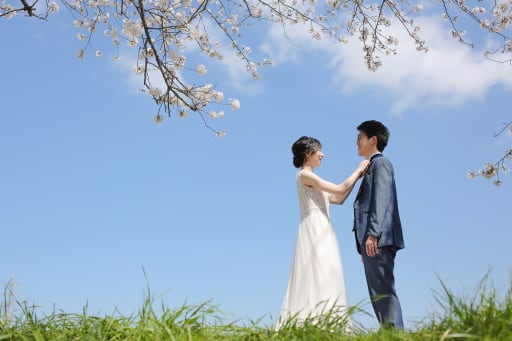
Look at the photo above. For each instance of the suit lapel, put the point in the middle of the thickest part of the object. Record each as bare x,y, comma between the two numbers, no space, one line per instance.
365,177
361,188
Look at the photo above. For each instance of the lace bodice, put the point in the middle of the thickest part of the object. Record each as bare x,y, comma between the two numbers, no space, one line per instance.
311,199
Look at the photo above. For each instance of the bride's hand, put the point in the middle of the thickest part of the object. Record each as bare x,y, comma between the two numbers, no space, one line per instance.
363,167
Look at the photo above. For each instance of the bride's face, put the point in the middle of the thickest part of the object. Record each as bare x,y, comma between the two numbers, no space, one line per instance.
315,159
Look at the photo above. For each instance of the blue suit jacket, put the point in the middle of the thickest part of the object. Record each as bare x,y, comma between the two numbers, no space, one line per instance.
376,206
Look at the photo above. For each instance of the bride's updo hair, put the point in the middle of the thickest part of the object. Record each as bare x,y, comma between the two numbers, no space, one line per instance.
305,145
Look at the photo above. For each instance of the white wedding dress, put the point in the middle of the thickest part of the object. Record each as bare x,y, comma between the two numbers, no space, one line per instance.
316,284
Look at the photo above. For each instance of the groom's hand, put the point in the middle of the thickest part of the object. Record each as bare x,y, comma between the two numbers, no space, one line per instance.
371,246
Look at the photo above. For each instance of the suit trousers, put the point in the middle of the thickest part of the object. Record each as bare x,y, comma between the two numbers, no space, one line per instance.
381,286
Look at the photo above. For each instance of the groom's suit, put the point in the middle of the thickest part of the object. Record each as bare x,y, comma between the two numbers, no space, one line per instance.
376,214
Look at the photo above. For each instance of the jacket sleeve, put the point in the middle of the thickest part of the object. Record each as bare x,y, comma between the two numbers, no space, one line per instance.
381,198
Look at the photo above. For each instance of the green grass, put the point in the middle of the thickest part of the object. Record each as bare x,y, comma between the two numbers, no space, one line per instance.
482,315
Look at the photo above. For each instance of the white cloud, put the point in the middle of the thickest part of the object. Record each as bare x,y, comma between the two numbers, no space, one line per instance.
237,74
449,74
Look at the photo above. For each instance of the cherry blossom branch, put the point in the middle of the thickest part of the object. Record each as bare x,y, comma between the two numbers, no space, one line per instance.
10,11
161,30
492,170
496,23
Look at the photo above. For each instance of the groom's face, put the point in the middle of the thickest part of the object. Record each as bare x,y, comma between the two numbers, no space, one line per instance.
364,145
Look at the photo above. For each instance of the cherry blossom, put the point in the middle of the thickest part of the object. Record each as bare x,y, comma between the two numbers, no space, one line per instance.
167,35
491,170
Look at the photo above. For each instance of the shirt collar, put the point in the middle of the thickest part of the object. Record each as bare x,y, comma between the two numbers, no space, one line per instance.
376,153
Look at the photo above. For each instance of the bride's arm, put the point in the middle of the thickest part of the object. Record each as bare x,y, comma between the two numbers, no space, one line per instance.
349,183
310,179
339,192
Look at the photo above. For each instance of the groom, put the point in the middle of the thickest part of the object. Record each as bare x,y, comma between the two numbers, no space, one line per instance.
377,225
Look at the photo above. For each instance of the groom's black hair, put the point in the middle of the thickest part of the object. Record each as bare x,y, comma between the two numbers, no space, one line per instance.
375,128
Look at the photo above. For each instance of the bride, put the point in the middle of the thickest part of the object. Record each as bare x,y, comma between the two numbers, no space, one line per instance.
316,286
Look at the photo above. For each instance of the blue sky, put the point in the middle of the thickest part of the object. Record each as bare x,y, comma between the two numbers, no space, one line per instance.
93,191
